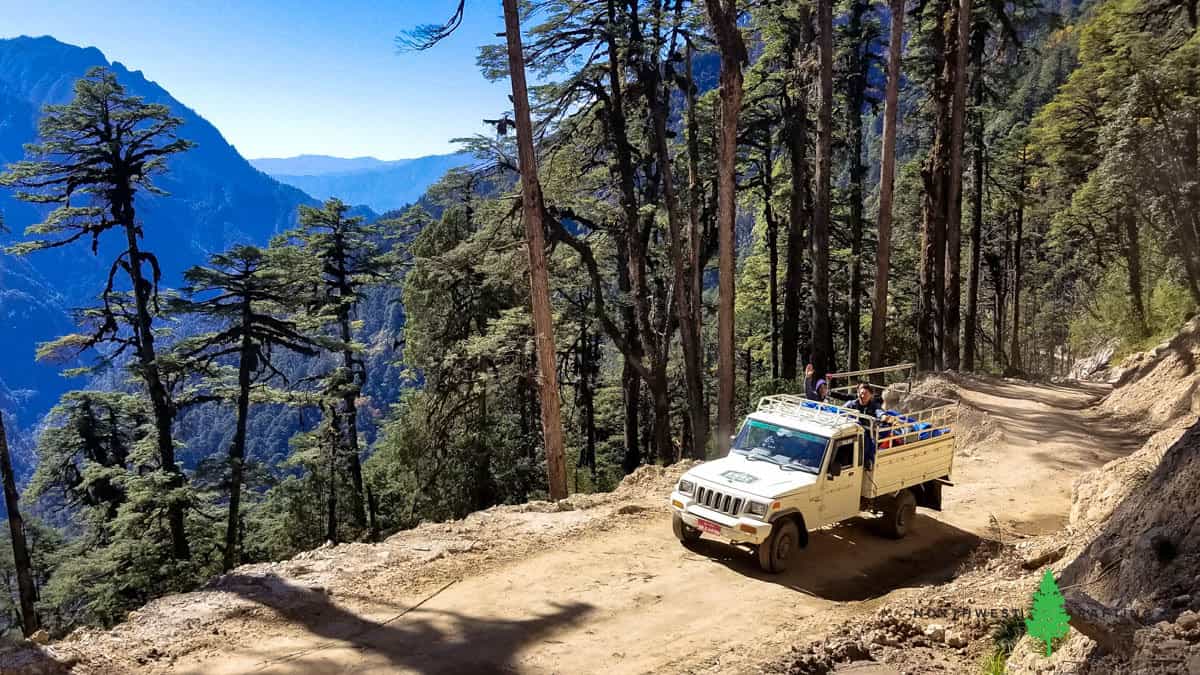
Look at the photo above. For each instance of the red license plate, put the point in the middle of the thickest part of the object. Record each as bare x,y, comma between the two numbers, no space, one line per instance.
709,526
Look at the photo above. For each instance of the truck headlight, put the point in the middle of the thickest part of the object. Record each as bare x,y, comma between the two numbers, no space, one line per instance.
756,509
686,487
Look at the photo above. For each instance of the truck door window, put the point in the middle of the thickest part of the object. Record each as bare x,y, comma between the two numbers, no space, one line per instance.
845,454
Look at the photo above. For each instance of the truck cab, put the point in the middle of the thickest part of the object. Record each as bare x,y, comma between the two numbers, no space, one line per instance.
796,466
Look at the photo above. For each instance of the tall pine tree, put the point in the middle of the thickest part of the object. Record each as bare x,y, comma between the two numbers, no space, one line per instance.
93,157
351,258
247,294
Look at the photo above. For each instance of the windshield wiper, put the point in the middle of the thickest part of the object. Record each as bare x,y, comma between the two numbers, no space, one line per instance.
795,467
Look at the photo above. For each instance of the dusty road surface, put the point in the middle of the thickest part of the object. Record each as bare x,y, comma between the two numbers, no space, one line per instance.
614,592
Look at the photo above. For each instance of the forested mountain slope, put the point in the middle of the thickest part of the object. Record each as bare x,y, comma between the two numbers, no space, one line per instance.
215,198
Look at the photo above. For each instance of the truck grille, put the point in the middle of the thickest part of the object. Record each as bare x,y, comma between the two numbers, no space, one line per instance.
718,501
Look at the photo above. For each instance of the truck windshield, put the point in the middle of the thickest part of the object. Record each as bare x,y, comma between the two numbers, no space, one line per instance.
782,445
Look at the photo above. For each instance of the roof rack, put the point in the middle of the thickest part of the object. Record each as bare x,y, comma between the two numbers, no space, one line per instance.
797,406
872,371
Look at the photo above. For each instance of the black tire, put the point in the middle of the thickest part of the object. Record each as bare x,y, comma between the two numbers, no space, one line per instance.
683,532
899,514
780,548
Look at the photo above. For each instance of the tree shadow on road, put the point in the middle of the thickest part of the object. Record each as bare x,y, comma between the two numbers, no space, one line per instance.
851,562
417,639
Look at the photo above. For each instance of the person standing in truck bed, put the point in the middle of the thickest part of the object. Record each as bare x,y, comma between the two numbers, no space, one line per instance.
811,384
866,403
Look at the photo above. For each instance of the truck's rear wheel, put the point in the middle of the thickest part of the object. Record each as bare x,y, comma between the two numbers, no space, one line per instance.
683,532
898,514
776,552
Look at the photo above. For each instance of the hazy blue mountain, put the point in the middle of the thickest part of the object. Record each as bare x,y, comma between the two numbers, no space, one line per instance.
383,186
316,165
216,198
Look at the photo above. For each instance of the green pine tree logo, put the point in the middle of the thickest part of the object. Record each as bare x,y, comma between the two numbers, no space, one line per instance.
1048,619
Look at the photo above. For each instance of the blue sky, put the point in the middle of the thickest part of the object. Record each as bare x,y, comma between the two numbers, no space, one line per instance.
285,78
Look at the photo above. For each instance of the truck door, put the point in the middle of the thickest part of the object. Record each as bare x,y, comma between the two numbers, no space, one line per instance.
841,483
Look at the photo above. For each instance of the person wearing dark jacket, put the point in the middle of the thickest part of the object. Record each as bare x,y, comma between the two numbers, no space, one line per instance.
866,403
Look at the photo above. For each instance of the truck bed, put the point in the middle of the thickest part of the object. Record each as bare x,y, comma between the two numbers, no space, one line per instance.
913,448
910,464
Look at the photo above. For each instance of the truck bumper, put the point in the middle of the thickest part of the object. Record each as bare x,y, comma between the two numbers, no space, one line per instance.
740,530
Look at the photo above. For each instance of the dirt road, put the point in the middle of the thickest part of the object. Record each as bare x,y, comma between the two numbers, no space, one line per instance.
620,595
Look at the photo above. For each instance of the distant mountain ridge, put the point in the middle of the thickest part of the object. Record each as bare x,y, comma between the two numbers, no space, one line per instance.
381,185
318,165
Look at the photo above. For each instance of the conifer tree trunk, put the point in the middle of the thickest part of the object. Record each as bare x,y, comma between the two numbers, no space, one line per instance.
931,300
539,284
237,451
971,320
617,127
1014,350
822,325
887,182
348,420
661,398
483,493
1001,268
1133,267
689,333
697,403
160,400
372,513
631,385
749,383
1189,237
772,259
587,398
950,343
723,17
855,98
354,461
16,528
333,443
631,381
795,131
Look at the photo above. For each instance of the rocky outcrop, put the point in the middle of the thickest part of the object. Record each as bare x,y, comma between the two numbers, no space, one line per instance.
1094,366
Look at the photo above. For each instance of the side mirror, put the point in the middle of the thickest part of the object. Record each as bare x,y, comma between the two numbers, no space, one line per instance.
835,470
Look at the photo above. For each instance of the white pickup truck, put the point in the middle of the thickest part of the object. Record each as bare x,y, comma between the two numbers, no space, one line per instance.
796,466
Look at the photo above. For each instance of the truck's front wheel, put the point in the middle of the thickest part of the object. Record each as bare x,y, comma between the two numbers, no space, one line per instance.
898,514
779,548
683,532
